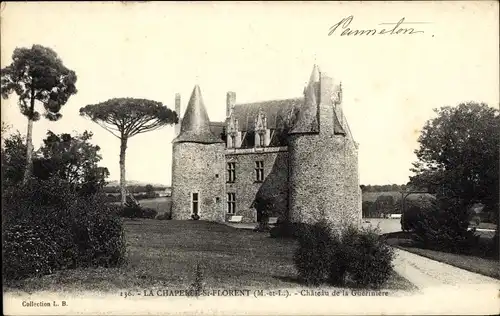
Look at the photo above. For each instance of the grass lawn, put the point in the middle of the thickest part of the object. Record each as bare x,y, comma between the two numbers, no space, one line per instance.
165,253
484,266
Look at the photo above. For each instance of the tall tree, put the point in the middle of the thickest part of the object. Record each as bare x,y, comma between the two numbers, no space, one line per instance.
37,75
458,154
150,191
126,117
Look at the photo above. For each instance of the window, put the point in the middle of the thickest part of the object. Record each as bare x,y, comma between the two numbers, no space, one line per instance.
231,171
231,203
262,139
194,201
259,171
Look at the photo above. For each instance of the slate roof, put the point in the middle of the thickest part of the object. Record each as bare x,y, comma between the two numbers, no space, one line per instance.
294,116
195,125
337,127
219,129
307,117
279,115
276,111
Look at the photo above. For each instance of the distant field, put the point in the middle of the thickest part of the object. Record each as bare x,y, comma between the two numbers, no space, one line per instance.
372,196
161,204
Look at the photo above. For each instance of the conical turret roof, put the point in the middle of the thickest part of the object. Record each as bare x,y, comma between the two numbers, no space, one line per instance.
307,118
195,125
314,74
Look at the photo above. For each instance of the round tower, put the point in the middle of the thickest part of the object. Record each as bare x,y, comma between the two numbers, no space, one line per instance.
317,158
197,166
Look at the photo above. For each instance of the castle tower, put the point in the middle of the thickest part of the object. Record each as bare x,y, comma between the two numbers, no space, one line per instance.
323,178
197,166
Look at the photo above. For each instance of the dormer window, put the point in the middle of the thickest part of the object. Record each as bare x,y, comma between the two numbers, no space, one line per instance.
233,141
261,129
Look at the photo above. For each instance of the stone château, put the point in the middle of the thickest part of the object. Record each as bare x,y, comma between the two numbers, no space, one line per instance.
296,157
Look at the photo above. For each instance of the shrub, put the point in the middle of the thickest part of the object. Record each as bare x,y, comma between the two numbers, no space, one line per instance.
353,257
284,229
36,215
131,212
138,212
313,256
99,234
27,252
414,209
445,227
262,226
47,227
149,212
409,218
164,216
263,206
368,259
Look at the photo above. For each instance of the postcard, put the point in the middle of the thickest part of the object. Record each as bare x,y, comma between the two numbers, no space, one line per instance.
250,158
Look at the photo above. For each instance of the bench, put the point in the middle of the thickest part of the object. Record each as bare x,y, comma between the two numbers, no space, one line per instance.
235,219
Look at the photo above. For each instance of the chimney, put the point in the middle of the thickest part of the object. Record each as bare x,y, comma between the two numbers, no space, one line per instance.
230,102
178,111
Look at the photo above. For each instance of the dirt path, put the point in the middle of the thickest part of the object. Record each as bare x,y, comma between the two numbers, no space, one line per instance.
426,273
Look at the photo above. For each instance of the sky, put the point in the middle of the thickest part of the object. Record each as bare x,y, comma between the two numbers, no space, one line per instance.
262,51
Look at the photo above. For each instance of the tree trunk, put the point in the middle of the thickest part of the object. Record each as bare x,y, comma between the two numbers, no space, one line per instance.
123,183
29,140
29,151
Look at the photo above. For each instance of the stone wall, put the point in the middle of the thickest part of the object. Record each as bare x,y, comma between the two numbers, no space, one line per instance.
323,171
353,212
198,168
275,184
323,182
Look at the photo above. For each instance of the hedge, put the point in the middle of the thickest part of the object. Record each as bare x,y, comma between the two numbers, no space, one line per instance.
48,227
